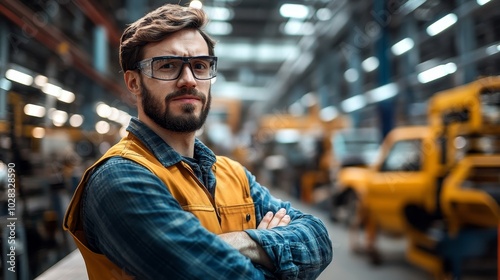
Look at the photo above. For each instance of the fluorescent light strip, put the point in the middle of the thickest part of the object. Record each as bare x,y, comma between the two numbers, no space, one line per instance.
219,13
328,113
441,24
402,46
370,64
19,77
482,2
66,96
34,110
382,93
353,103
294,11
437,72
52,89
219,28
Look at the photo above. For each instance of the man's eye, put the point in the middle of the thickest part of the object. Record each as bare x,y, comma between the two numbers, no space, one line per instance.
199,66
167,66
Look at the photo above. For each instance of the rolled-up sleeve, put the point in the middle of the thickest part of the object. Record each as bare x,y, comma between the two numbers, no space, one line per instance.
300,250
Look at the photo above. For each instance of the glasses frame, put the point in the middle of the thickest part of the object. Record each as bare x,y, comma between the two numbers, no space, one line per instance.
143,64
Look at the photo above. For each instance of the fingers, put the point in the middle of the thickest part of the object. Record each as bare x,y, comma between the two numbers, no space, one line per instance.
277,218
284,221
265,221
270,221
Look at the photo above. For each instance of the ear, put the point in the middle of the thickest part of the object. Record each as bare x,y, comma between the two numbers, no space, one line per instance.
133,82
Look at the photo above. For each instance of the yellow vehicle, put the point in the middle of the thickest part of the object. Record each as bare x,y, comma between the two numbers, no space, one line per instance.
302,142
471,193
411,189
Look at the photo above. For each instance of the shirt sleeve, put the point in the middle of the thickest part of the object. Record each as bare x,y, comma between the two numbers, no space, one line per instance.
300,250
131,217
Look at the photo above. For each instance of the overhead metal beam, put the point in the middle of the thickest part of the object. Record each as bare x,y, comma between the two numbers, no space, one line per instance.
99,17
292,69
53,39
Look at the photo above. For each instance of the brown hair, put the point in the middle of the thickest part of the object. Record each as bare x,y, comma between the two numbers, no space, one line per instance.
157,25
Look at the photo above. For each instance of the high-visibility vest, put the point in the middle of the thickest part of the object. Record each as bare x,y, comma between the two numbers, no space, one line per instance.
232,209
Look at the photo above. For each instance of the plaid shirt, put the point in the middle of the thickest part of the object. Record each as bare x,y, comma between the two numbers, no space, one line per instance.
146,232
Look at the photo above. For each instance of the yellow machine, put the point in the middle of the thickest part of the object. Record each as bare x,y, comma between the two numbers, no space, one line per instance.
304,142
471,193
419,185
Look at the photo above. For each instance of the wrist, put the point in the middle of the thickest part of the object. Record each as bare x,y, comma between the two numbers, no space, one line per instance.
248,247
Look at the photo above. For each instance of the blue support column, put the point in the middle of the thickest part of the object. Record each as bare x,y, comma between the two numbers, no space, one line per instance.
334,79
101,53
386,107
93,90
4,56
355,87
88,104
296,93
322,78
465,41
327,75
407,66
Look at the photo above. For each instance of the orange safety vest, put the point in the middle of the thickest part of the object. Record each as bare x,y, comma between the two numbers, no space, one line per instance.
232,210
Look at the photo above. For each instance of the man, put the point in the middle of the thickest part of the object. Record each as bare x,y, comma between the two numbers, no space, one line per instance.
159,204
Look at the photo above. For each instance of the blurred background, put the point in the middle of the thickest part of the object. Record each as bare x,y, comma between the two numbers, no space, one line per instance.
381,117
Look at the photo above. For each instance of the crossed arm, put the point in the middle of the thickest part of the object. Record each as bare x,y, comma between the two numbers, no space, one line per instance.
248,247
288,244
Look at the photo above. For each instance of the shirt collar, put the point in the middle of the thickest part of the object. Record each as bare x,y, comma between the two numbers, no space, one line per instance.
162,151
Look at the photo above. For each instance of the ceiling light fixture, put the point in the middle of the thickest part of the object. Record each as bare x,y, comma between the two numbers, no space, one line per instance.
294,11
308,100
351,75
102,127
370,64
66,96
19,77
324,14
40,80
437,72
38,132
76,120
482,2
402,46
441,24
353,103
382,93
296,27
219,28
34,110
52,89
493,49
287,135
58,117
328,114
219,13
103,110
196,4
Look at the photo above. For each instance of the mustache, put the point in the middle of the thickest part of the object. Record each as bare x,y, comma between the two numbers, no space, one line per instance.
186,91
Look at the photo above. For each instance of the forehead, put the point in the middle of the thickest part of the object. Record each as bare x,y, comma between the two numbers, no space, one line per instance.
188,42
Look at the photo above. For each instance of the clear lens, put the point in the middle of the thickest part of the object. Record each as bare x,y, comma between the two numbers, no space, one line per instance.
170,68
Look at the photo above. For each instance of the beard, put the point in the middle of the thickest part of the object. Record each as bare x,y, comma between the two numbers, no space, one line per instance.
187,121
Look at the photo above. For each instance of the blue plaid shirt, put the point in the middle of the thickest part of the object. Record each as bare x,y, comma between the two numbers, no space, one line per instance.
146,232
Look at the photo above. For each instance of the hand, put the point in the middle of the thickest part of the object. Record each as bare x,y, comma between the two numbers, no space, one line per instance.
248,247
277,220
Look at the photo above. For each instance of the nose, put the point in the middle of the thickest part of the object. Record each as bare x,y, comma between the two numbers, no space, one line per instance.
187,78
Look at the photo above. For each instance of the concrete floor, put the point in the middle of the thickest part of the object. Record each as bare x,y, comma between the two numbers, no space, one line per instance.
345,266
349,266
